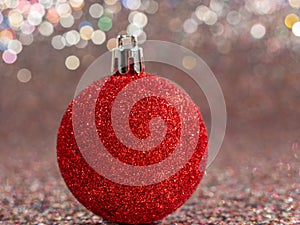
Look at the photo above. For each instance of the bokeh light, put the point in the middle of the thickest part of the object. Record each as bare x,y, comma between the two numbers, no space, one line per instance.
217,29
142,37
216,5
46,28
15,46
7,34
113,9
105,23
190,26
34,18
15,19
26,39
151,7
53,16
233,18
210,17
189,62
201,11
24,75
111,44
134,29
58,42
77,4
67,22
132,4
77,14
258,31
290,19
72,62
131,15
46,3
140,19
98,37
63,9
96,10
27,28
72,37
296,29
86,32
9,57
85,23
295,3
38,8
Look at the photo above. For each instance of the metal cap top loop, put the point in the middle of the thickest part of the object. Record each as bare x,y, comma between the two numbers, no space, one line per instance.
127,57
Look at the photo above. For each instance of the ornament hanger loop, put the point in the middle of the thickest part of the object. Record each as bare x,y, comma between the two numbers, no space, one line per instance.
127,57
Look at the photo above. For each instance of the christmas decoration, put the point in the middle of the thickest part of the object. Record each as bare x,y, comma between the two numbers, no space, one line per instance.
132,147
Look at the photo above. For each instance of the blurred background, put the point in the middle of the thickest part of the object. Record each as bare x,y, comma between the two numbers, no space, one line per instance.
252,47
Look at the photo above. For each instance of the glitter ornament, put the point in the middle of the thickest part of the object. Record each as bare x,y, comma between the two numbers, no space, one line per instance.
132,147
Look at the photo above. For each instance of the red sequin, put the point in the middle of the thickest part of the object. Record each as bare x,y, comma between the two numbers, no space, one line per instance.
118,202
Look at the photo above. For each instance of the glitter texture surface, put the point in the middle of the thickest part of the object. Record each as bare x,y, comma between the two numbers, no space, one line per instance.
81,159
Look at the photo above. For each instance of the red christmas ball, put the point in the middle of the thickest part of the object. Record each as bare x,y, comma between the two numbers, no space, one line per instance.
132,148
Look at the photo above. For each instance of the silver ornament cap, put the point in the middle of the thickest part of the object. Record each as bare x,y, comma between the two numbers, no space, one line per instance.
127,57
